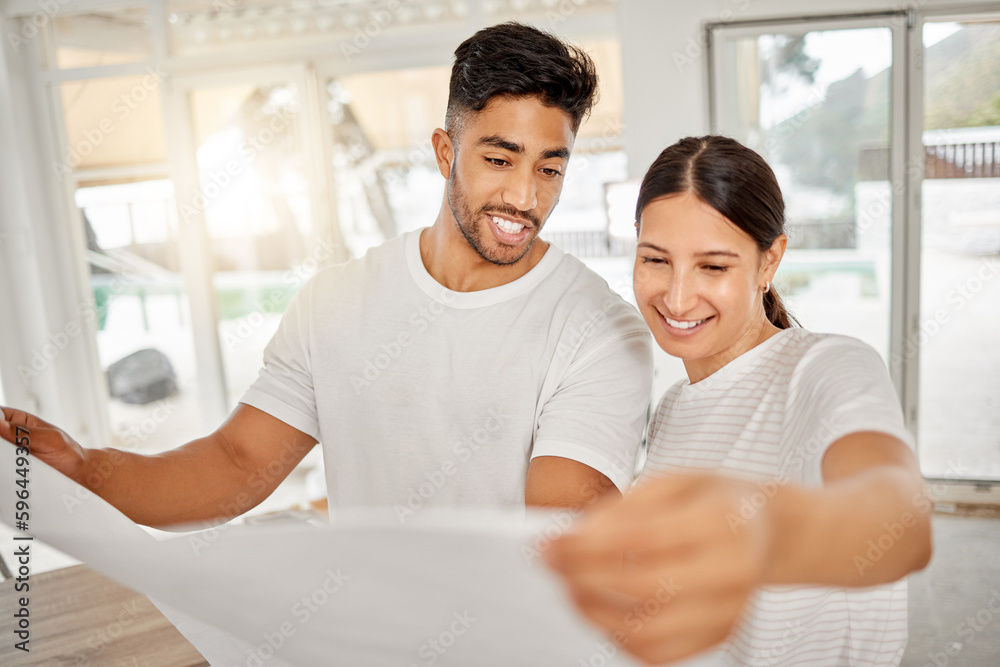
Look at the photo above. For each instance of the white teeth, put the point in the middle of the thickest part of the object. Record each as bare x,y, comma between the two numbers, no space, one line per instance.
507,226
677,324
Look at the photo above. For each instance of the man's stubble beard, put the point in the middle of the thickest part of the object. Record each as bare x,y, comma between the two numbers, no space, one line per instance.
466,221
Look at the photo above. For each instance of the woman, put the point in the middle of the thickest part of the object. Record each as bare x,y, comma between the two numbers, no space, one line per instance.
781,496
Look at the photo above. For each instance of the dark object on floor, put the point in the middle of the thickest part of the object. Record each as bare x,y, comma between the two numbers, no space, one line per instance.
142,377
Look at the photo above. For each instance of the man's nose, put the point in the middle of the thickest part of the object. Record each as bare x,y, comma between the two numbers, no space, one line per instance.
521,190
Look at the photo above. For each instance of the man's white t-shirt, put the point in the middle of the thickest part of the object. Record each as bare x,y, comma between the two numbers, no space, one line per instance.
423,396
769,416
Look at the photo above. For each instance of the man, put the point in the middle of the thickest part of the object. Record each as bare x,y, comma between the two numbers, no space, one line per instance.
469,363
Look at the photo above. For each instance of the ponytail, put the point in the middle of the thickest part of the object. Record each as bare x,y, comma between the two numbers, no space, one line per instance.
775,310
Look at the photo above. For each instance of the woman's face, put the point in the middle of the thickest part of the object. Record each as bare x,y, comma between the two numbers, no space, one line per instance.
698,282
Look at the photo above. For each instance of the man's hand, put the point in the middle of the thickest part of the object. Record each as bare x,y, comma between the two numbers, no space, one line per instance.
213,478
48,443
664,567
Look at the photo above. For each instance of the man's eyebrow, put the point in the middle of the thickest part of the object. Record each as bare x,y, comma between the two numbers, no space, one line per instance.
499,142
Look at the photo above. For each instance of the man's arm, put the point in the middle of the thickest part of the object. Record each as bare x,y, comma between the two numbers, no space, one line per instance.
555,482
216,477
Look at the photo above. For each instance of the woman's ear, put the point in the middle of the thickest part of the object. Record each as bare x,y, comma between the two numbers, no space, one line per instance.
444,151
772,257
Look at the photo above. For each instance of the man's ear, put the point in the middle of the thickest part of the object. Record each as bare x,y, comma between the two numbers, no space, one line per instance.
444,151
772,257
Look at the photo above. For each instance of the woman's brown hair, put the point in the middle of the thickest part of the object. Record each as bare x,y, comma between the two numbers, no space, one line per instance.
732,179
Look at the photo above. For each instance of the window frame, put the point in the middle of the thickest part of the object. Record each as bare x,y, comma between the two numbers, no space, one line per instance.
906,179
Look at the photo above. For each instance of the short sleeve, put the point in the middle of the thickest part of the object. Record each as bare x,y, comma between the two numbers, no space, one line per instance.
840,386
284,388
598,413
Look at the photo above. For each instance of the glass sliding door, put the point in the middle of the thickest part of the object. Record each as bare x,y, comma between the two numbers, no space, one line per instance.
115,162
256,197
957,339
815,101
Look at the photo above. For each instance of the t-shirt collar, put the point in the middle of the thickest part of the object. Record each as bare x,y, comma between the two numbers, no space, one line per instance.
478,299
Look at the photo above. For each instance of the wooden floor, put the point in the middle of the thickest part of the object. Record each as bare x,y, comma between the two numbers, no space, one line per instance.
81,619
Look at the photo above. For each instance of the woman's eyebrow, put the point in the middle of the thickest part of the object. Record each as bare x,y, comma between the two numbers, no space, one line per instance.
722,253
707,253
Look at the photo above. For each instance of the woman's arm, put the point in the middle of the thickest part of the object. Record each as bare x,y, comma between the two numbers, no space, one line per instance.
869,523
669,569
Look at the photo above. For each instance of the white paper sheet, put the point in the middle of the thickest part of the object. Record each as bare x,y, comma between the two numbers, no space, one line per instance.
454,588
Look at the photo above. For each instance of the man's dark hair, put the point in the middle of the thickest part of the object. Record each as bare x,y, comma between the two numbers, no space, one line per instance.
516,60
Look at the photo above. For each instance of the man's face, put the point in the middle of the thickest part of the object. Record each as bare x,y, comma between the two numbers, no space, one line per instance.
506,175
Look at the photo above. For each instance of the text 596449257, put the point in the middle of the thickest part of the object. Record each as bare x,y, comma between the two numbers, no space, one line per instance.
22,547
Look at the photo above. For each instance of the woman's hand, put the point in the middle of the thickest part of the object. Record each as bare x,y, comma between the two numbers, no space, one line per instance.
667,571
45,442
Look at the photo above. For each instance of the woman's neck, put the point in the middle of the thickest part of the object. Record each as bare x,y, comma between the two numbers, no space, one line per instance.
755,334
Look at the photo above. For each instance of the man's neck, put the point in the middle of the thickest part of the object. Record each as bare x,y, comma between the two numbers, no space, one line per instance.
453,263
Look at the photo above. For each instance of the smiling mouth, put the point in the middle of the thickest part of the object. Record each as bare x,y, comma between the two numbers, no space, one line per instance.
506,225
685,324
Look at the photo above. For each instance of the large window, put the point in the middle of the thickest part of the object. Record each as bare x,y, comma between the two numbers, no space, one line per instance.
254,196
115,160
286,136
957,340
826,104
815,102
